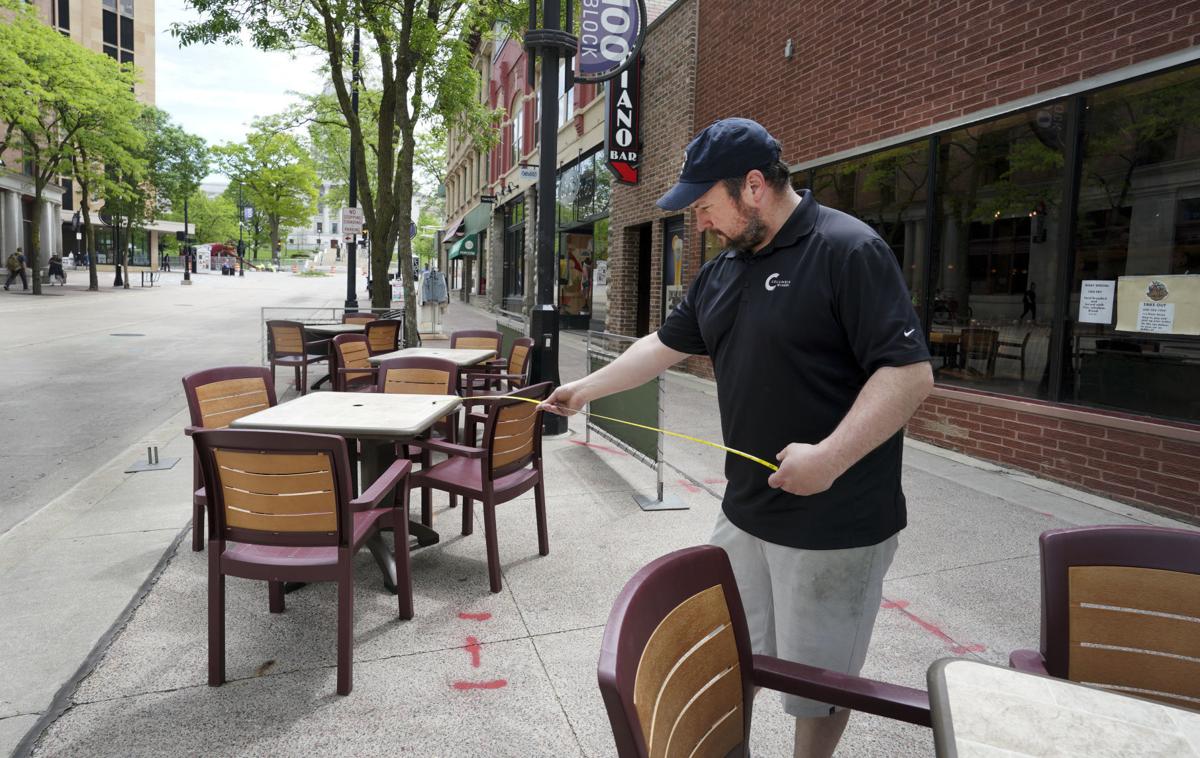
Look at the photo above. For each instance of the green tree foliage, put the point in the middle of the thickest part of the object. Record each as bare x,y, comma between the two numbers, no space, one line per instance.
418,55
277,177
215,218
56,94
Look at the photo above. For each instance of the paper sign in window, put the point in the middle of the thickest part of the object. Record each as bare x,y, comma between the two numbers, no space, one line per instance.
1158,304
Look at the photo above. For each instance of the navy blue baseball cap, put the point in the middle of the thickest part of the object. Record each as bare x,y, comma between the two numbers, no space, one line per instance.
725,149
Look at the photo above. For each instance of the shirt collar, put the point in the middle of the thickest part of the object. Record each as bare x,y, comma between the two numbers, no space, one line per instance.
798,225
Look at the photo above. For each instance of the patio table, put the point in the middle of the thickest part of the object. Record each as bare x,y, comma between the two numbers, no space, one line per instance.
459,356
378,422
980,709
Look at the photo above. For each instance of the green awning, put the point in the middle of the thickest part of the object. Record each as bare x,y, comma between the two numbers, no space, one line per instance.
478,219
467,247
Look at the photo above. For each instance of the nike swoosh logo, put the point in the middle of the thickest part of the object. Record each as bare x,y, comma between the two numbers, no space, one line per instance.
909,332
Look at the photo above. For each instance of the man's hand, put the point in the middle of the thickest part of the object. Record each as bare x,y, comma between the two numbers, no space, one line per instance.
564,400
804,470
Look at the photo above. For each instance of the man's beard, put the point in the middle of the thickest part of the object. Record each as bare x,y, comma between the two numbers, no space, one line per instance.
751,236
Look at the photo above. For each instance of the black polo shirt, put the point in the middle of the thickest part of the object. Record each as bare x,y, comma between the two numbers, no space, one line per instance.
794,332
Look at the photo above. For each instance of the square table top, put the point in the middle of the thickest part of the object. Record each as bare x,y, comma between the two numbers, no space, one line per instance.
335,328
360,415
980,709
460,356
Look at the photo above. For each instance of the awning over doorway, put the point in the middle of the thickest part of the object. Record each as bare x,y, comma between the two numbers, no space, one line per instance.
467,247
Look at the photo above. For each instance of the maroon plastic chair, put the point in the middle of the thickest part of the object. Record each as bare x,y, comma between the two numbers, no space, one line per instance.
286,347
282,511
485,382
216,398
383,335
358,317
476,339
677,674
422,376
1120,606
508,465
352,370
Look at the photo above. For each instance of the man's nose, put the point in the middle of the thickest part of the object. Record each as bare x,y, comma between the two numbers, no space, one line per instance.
703,222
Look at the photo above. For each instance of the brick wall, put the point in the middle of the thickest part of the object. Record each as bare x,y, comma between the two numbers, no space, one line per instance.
1151,465
864,70
668,85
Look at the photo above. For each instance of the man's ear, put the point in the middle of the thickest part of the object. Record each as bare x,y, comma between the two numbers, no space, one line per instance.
754,189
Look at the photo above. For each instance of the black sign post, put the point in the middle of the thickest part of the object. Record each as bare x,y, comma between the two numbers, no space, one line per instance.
623,130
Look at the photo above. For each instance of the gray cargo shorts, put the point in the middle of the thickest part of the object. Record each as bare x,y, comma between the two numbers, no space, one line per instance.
816,607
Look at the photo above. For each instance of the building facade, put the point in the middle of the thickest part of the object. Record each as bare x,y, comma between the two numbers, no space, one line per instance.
1036,169
123,30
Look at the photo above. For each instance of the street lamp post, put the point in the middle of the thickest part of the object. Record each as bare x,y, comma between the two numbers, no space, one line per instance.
242,208
187,238
117,251
351,252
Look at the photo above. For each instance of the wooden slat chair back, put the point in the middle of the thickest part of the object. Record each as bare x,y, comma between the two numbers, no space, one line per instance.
476,339
383,336
287,337
418,376
675,660
519,360
283,511
511,438
350,352
1121,610
358,318
216,398
677,673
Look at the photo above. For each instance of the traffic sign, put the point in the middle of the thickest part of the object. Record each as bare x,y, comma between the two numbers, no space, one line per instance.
352,221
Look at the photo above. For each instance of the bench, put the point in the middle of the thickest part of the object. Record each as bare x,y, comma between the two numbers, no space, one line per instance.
154,276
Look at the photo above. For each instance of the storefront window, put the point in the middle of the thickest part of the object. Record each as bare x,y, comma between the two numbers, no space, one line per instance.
514,254
1000,186
600,273
1136,340
584,191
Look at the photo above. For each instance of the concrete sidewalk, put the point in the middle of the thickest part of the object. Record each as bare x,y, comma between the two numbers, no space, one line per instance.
475,673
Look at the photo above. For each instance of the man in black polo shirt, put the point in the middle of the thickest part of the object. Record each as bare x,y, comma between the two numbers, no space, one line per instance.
820,360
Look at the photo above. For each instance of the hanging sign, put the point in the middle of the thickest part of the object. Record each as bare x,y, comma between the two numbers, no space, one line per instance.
623,132
610,36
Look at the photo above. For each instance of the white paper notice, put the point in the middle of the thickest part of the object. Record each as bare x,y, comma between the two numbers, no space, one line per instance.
1096,301
1156,317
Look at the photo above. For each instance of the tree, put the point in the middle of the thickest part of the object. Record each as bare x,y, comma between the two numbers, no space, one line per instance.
215,218
54,92
419,50
276,174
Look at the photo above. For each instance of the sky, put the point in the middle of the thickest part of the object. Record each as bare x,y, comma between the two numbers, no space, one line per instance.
215,91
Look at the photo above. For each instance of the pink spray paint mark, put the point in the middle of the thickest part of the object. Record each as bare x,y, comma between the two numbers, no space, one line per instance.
715,481
474,649
594,446
495,684
474,616
688,485
955,647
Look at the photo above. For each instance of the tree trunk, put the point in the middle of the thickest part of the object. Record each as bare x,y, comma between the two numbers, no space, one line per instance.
127,253
273,221
33,255
89,238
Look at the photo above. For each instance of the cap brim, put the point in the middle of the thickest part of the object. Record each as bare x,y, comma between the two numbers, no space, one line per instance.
683,194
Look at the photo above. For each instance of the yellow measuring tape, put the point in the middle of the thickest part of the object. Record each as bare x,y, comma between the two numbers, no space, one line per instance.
747,456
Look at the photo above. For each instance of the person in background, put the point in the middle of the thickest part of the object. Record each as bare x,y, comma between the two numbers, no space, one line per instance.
1029,302
16,267
56,270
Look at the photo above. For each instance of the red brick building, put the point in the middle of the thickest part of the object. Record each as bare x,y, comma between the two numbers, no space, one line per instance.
1033,165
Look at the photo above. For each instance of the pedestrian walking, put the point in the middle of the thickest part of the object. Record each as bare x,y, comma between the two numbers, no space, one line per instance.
1029,302
56,270
16,267
819,360
164,263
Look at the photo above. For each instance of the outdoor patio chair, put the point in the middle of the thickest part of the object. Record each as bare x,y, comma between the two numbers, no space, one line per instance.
1121,610
1018,355
359,317
677,674
216,398
286,347
282,511
352,371
980,345
383,335
475,339
479,384
422,376
507,465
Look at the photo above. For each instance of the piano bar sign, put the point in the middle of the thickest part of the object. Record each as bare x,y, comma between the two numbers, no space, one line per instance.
623,130
610,36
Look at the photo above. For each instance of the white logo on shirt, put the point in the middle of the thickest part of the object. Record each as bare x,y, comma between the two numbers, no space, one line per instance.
909,332
774,281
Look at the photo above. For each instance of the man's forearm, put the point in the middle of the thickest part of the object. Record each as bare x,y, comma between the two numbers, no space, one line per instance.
644,360
886,402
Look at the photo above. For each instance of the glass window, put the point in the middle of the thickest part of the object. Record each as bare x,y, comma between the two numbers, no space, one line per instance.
1001,186
126,56
127,8
600,273
710,247
566,100
518,131
109,22
127,33
64,14
332,227
1139,223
